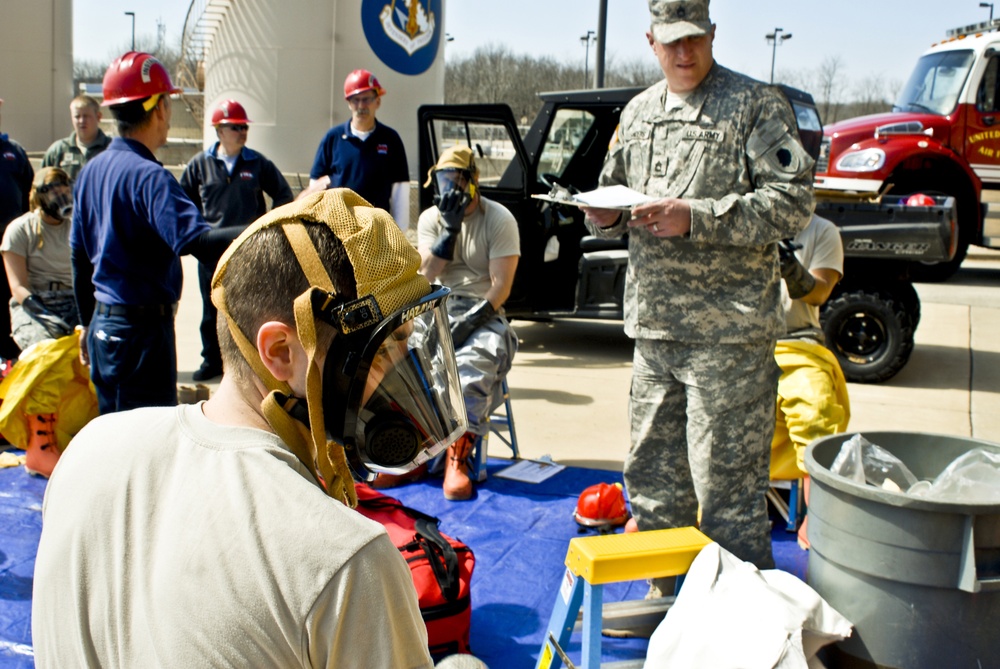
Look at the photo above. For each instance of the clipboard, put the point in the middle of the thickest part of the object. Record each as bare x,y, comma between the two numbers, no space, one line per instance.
621,198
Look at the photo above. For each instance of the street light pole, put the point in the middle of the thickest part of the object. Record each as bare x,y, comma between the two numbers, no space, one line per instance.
775,39
132,14
585,40
990,5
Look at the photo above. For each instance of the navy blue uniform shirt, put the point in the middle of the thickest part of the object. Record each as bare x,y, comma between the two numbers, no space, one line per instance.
237,199
368,167
132,219
15,180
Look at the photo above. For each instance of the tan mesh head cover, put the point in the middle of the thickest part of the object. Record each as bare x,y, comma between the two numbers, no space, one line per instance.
385,266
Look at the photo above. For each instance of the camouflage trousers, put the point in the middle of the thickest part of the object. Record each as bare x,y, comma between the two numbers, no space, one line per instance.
483,362
27,331
702,419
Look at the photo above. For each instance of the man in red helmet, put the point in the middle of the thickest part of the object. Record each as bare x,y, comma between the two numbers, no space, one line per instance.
131,223
364,155
227,182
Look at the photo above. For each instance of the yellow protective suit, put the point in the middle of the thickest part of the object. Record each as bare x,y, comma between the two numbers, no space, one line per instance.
47,379
812,403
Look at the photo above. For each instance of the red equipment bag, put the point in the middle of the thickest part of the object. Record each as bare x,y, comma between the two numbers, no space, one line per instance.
441,567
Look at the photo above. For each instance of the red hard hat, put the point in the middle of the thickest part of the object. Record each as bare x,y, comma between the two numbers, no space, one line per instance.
135,76
601,505
230,111
360,81
920,200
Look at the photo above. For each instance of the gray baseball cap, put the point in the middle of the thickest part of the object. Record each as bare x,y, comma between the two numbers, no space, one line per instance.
675,19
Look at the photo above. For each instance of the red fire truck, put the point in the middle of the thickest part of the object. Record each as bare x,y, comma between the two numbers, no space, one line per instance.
942,137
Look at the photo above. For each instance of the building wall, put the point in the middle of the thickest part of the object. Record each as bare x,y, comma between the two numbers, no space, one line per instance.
286,63
36,70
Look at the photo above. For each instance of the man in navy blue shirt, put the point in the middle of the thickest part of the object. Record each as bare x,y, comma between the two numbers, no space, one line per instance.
228,182
364,155
131,223
16,174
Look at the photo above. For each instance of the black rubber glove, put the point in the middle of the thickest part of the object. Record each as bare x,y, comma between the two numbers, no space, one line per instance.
55,326
797,278
451,206
467,323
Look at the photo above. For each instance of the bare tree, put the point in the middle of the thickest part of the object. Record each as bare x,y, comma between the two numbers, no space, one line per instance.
871,95
92,71
828,87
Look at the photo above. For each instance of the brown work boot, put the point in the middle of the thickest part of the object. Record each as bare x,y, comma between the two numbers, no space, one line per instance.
457,484
383,481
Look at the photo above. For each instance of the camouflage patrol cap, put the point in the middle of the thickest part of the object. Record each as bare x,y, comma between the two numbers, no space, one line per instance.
676,19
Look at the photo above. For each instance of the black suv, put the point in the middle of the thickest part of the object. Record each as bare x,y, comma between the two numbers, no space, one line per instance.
564,272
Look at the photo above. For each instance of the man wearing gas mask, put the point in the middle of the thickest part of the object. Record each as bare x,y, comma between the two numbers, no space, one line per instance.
36,258
471,244
223,533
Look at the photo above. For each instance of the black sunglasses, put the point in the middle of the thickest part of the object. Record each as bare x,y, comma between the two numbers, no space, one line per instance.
239,128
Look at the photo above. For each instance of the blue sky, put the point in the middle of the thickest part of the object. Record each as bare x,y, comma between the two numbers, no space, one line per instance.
870,37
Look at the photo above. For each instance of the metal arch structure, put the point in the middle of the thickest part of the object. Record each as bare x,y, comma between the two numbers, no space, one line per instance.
200,27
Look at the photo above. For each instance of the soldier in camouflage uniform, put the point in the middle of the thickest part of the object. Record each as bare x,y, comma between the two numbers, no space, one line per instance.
86,141
702,296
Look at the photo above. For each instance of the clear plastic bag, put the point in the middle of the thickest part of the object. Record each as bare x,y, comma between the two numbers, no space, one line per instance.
864,462
973,477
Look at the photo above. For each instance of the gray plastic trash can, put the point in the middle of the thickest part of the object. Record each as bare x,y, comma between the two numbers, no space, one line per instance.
919,579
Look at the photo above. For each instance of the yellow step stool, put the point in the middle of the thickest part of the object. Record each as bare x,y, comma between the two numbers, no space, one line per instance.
592,562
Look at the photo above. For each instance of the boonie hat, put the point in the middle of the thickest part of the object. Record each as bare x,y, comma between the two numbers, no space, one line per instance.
676,19
459,157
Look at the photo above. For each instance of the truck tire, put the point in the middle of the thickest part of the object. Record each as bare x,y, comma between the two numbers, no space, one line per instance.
870,332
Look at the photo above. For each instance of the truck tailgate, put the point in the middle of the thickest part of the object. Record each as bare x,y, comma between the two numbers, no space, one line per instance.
873,230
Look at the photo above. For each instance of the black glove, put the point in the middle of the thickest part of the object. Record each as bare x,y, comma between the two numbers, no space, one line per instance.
797,278
467,323
55,326
451,206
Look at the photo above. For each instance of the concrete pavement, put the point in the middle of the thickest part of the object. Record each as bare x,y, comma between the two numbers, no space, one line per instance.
570,380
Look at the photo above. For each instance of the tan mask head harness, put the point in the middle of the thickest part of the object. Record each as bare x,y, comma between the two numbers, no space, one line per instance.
385,270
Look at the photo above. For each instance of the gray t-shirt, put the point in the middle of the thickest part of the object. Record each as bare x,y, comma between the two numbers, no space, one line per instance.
487,233
821,249
44,247
171,540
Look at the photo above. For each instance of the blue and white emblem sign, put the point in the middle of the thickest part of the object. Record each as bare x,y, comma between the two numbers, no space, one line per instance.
404,34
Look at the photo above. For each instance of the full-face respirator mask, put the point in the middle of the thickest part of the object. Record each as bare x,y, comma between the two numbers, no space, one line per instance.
389,396
455,169
55,195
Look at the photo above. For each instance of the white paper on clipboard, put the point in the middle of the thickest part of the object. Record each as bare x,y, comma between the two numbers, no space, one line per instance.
612,197
531,471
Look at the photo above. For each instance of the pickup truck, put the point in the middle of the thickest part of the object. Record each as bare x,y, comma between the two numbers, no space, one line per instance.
564,272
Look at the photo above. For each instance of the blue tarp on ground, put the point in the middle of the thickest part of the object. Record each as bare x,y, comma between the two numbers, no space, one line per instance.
518,531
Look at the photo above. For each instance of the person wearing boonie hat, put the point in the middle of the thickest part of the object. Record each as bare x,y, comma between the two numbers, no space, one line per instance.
471,244
720,154
225,527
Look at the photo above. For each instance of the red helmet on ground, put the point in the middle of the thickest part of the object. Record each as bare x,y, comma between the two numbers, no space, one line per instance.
920,200
136,76
230,111
360,81
601,505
